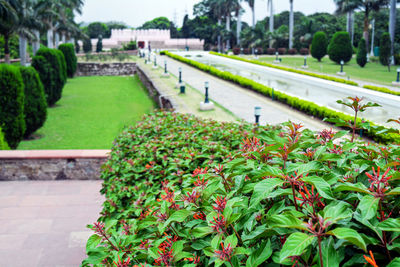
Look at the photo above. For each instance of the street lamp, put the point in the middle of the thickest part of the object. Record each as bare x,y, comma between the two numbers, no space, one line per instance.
165,67
397,82
276,54
180,75
149,60
206,99
305,63
155,61
257,114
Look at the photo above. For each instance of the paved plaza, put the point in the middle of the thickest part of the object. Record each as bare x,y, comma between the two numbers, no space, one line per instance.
43,223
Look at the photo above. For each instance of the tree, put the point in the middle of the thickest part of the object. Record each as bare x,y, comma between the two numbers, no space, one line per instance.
87,45
217,10
362,53
271,19
392,25
229,7
99,45
252,6
384,50
344,6
319,45
97,28
9,23
291,25
340,47
161,23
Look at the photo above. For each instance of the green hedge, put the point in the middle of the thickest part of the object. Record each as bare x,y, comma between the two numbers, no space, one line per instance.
12,104
35,109
340,47
319,45
63,65
70,58
381,89
305,106
3,143
48,63
325,77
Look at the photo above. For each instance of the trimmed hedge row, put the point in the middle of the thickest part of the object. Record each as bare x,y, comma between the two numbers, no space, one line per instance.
35,108
12,104
325,77
3,143
70,58
305,106
381,89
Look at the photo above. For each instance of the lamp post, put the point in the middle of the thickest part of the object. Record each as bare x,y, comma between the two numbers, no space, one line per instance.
341,66
149,60
305,63
241,50
276,54
206,99
180,75
257,114
155,61
165,67
397,82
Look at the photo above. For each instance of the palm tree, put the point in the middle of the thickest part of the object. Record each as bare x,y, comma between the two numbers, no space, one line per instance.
291,22
252,4
229,7
392,26
344,6
238,13
8,22
271,20
217,9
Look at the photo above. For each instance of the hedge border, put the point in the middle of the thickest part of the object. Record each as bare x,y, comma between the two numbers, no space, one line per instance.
321,76
305,106
381,89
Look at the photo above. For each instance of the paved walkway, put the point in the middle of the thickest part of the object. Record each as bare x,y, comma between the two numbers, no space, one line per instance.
43,223
241,101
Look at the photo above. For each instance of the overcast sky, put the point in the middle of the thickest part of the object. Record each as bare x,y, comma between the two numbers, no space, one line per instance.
136,12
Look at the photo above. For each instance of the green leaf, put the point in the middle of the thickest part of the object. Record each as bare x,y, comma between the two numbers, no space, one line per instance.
285,221
349,235
358,187
232,239
306,168
394,263
321,185
390,225
337,210
260,255
394,191
368,206
178,216
200,232
177,247
216,241
295,245
263,188
330,257
270,171
92,242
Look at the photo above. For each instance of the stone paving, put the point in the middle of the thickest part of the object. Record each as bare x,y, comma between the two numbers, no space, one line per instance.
43,223
241,101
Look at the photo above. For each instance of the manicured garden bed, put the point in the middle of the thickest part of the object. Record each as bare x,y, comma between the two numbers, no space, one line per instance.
91,112
185,192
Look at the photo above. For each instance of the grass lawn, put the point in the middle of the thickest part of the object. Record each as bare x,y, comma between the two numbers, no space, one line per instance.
91,113
373,72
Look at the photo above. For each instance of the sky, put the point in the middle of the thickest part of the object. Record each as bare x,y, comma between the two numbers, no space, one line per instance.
136,12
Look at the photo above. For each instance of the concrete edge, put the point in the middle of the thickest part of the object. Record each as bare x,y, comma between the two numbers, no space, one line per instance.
54,154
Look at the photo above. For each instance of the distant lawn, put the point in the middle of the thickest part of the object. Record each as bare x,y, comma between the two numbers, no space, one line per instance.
373,72
91,113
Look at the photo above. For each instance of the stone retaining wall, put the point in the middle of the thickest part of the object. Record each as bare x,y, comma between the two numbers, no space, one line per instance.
105,69
51,165
162,101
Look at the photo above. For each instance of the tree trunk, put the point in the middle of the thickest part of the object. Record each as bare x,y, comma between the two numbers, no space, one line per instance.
22,50
63,38
392,27
219,36
271,22
349,25
366,28
228,28
56,40
291,22
36,43
254,16
50,40
238,27
6,49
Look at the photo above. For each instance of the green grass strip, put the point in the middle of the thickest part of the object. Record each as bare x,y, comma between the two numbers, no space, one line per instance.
321,76
305,106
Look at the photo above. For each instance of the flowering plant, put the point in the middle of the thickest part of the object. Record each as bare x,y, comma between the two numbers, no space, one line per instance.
274,196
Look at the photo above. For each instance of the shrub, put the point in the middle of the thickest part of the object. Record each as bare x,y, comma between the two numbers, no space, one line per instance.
281,197
63,67
260,51
99,45
35,108
12,105
246,51
282,51
236,50
362,53
384,50
49,64
271,51
130,46
304,51
3,143
378,133
340,47
87,46
381,89
292,51
70,58
319,45
77,47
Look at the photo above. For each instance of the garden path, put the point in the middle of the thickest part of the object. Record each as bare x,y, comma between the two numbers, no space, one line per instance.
43,223
240,101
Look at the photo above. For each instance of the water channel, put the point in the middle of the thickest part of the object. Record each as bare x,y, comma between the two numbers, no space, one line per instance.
321,92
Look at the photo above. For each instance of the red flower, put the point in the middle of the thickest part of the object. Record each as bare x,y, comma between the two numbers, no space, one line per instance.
169,197
309,197
220,204
371,260
195,259
98,228
226,253
191,198
144,244
200,183
219,224
199,216
378,183
122,263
